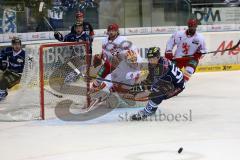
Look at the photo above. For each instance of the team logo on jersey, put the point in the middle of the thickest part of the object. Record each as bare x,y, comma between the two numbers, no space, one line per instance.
20,60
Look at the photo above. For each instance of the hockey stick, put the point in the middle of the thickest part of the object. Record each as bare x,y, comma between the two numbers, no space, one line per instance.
96,101
90,77
41,5
228,49
52,93
49,24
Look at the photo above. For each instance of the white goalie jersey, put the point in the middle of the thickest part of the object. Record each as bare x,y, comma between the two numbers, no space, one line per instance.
186,45
126,72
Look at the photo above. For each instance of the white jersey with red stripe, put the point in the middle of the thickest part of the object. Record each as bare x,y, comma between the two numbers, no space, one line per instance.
116,47
186,45
126,73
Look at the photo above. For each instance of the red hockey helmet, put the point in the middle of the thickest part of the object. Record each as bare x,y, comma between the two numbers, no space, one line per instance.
113,27
192,22
79,14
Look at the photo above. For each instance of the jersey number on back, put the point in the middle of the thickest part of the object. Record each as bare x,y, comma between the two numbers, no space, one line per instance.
177,73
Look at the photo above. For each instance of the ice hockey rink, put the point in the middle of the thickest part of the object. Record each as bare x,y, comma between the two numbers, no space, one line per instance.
211,133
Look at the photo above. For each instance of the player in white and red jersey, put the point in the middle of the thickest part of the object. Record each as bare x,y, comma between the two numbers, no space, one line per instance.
113,52
190,47
128,71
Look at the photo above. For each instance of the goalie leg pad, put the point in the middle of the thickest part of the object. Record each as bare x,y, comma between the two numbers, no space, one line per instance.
9,79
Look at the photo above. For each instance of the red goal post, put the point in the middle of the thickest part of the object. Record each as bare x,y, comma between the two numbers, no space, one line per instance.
35,97
83,48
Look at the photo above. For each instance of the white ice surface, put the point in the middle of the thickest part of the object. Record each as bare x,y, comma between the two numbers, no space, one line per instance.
213,133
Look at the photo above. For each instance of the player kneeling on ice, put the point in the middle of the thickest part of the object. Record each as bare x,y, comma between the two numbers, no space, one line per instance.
126,74
12,61
164,81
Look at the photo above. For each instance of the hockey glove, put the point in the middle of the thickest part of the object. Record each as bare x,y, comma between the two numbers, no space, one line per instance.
169,55
3,66
197,55
58,36
97,60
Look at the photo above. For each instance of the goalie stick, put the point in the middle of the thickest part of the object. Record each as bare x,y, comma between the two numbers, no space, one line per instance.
96,101
90,77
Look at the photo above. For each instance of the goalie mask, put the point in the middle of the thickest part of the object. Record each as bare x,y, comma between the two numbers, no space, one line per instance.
131,58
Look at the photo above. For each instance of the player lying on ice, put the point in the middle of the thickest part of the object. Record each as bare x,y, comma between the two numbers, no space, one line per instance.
12,60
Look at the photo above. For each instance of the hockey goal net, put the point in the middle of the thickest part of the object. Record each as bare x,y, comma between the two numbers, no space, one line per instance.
48,81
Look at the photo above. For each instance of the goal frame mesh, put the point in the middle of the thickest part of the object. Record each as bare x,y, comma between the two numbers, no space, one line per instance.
41,69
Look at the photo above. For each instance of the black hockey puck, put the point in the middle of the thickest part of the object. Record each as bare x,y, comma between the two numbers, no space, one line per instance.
180,150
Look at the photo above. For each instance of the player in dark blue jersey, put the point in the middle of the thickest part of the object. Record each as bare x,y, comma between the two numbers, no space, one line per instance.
87,27
79,36
164,81
12,60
